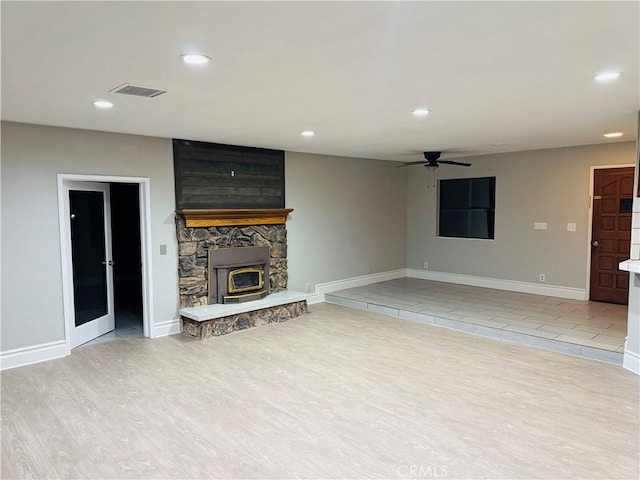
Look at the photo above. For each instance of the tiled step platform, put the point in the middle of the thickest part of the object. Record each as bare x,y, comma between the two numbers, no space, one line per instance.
220,319
346,298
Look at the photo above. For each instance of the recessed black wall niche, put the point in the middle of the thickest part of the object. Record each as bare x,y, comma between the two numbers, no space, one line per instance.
217,176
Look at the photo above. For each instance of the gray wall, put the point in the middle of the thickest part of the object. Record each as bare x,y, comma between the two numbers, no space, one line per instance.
349,218
352,217
535,186
32,156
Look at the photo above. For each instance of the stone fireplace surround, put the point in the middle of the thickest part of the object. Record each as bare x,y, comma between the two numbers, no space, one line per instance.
193,252
211,230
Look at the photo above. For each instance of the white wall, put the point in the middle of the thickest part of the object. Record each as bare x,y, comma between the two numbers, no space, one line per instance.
349,218
632,345
32,155
535,186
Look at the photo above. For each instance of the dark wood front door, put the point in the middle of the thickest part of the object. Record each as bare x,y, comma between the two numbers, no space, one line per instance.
611,234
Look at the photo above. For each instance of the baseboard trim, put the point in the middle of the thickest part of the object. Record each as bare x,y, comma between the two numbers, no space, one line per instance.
498,284
631,362
163,329
324,288
20,357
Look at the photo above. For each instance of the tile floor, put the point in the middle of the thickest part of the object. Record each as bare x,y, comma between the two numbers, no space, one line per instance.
128,325
577,327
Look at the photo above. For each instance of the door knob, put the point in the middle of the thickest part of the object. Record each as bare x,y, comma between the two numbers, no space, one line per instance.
595,243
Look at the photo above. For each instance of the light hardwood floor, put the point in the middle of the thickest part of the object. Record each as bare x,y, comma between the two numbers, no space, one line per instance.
340,393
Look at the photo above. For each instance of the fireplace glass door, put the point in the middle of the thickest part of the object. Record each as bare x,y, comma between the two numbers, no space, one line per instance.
245,279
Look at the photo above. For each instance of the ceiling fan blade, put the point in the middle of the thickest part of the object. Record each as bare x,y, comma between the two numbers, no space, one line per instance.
407,164
451,162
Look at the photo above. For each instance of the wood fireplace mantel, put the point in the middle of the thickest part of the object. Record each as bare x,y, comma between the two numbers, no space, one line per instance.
235,216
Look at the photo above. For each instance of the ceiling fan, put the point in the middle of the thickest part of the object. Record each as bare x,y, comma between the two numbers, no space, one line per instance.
431,160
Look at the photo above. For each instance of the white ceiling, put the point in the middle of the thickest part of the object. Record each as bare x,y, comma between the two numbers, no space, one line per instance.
518,73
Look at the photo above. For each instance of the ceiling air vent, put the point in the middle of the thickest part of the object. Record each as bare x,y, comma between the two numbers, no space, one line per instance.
135,90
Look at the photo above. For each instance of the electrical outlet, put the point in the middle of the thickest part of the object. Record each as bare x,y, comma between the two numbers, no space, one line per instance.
540,225
542,277
426,265
308,287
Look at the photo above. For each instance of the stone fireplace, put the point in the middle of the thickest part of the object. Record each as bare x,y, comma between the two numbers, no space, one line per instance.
195,244
230,201
232,270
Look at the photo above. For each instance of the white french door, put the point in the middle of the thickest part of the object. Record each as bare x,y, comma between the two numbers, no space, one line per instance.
87,207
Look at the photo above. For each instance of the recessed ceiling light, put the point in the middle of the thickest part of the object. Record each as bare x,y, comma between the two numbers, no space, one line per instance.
420,112
607,76
195,59
613,135
103,104
308,133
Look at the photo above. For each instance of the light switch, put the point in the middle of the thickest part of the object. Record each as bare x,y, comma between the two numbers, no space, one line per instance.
571,227
540,225
163,249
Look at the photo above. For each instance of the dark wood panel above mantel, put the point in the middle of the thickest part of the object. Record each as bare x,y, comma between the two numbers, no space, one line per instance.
233,217
216,176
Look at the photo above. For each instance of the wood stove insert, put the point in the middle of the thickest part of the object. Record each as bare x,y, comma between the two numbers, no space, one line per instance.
238,275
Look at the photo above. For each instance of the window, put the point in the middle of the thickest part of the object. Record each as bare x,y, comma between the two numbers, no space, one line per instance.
467,207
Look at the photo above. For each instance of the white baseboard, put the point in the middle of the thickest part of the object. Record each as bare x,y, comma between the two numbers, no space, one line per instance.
20,357
163,329
631,361
498,284
324,288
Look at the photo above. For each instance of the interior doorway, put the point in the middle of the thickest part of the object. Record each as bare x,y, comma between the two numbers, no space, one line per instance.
127,259
611,233
111,244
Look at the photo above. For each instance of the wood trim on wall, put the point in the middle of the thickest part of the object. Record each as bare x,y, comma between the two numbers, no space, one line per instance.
232,217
